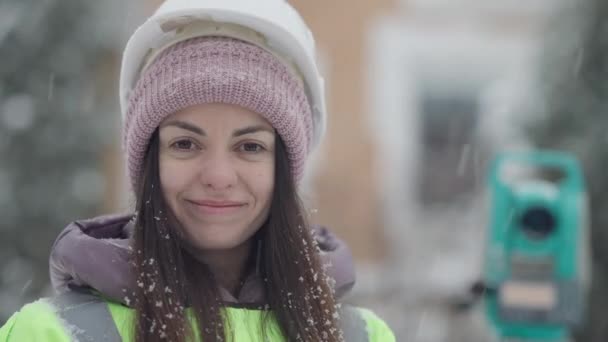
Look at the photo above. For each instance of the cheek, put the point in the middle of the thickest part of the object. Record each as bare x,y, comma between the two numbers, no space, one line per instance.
174,176
262,183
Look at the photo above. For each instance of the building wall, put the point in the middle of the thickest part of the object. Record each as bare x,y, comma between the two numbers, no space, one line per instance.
344,187
436,249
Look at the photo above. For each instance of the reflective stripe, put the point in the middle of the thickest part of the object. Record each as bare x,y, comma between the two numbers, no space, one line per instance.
86,317
353,325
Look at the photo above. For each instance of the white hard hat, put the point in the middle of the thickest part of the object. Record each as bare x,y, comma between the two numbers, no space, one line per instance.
271,24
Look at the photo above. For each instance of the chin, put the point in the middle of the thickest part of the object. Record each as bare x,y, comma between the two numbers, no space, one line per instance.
220,236
217,243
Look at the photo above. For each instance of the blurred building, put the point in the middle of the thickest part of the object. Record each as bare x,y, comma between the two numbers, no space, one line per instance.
420,94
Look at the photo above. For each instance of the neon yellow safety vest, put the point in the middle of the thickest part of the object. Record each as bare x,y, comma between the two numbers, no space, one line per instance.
75,316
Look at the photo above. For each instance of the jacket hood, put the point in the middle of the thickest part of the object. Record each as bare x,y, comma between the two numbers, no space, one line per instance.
95,253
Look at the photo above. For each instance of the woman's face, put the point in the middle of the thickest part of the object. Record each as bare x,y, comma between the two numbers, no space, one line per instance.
217,172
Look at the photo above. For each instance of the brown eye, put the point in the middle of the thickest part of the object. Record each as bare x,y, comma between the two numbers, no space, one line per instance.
251,148
184,145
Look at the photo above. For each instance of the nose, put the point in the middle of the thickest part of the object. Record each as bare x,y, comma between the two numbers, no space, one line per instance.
219,171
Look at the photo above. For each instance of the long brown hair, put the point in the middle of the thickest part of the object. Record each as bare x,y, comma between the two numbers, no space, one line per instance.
169,279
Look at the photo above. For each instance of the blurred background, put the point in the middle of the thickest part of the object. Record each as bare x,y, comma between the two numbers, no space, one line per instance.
421,95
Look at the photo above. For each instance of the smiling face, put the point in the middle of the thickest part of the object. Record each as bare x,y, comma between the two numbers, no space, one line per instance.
216,165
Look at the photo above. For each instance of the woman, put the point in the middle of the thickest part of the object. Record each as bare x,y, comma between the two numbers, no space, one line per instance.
221,105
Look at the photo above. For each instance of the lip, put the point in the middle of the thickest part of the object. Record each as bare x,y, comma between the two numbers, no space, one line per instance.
213,207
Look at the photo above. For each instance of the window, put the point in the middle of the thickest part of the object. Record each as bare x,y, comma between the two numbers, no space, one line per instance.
448,127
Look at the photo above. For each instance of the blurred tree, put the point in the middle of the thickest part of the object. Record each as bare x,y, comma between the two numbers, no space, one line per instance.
575,80
54,123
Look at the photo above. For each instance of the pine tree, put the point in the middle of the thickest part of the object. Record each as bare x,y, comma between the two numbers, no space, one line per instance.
55,119
575,75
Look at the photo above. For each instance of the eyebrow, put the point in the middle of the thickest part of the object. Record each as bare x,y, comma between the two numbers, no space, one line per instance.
252,129
239,132
187,126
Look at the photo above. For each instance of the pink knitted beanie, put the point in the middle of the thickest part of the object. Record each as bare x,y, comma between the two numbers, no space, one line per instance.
218,70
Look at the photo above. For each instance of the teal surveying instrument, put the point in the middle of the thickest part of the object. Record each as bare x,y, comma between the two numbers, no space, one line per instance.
536,273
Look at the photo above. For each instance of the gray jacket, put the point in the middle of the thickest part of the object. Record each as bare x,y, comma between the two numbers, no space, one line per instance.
95,253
